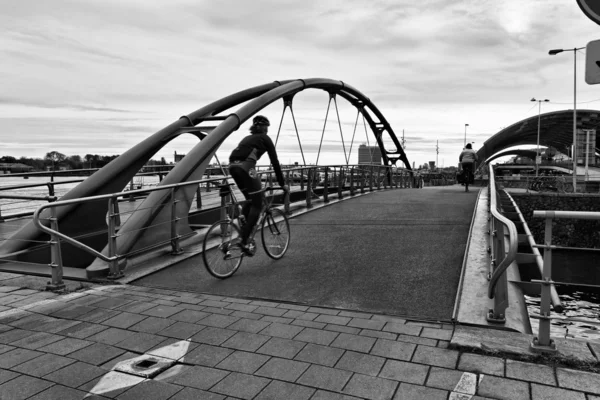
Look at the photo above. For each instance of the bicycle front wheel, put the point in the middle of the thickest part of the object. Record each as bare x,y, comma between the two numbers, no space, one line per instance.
222,257
275,233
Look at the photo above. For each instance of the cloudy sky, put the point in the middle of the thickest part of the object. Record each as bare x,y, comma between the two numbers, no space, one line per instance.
91,76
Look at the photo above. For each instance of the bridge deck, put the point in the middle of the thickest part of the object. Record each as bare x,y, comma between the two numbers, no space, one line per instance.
398,252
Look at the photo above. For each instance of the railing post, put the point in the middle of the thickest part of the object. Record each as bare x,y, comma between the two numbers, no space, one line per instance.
286,202
309,189
352,181
497,314
50,188
56,265
302,179
378,177
175,245
371,179
340,183
114,270
543,342
199,196
131,196
326,186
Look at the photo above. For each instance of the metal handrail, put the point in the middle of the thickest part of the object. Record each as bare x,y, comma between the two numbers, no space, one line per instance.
543,342
498,287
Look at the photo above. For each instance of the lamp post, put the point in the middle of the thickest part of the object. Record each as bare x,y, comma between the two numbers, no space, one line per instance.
574,153
465,143
537,154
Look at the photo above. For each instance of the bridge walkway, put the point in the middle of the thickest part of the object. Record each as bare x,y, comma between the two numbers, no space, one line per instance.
396,252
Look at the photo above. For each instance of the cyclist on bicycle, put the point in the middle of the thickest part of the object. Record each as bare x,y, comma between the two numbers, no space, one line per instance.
467,158
242,163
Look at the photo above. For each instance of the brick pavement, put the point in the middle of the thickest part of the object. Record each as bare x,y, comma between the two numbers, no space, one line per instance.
73,346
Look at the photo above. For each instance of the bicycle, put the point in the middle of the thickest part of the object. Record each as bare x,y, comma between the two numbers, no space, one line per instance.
220,248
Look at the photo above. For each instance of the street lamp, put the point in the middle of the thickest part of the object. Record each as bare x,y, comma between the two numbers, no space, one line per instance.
537,154
465,143
574,50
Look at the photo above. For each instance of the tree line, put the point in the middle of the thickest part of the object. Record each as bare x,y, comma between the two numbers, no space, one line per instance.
55,160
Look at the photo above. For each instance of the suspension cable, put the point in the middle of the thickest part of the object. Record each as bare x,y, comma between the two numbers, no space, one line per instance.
341,133
354,132
324,125
280,122
367,136
297,134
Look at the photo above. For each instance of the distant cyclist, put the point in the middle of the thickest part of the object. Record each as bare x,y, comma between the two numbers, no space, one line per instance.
468,158
242,167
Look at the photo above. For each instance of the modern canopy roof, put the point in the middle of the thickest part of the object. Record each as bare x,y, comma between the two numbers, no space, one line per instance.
556,130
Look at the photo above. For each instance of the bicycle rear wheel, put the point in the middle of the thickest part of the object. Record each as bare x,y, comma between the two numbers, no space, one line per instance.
275,233
222,257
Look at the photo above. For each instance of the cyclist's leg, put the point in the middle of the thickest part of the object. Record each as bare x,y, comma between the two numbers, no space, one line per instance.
254,207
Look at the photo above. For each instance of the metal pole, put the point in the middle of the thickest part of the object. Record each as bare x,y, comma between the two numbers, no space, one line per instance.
575,121
56,265
587,153
537,154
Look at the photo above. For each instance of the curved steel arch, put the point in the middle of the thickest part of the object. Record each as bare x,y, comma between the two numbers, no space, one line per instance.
556,130
77,220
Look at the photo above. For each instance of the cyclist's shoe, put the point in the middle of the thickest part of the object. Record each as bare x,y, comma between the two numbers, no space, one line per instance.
248,249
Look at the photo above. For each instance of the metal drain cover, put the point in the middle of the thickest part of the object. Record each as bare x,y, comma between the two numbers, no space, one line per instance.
146,366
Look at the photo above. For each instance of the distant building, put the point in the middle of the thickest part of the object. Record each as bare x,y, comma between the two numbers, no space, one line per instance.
178,157
369,155
13,168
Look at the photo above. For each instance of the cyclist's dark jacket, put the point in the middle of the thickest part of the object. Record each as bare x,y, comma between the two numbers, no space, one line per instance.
252,147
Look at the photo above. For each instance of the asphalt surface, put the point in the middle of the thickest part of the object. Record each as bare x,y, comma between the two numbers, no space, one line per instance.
396,252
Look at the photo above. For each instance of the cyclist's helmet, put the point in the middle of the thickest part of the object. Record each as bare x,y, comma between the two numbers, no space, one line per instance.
261,120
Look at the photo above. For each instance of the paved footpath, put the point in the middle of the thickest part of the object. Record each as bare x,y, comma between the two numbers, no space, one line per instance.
127,342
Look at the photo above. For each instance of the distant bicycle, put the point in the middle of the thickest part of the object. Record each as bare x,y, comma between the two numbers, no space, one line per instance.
220,249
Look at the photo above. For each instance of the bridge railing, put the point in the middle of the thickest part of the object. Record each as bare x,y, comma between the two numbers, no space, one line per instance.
543,342
307,183
503,243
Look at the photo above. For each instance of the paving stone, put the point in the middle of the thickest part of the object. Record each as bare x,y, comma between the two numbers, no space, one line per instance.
72,312
247,315
538,373
65,346
150,390
218,311
82,330
162,311
190,316
300,315
424,324
124,320
212,335
37,340
316,336
4,348
112,363
97,354
246,341
262,303
140,342
112,303
13,335
242,307
481,364
281,330
6,375
75,375
325,378
7,300
151,325
59,392
434,333
270,318
29,320
578,380
197,377
404,371
99,315
447,379
542,392
23,387
309,324
248,325
282,369
214,303
435,356
56,326
241,385
277,390
8,289
181,330
17,356
195,394
207,355
354,342
413,330
504,389
333,319
218,321
136,307
407,391
283,348
327,311
111,336
392,349
242,361
323,395
360,363
43,365
342,329
367,324
322,355
110,385
417,340
370,387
